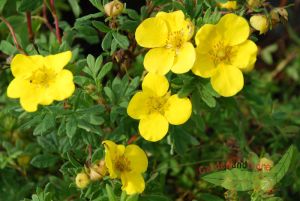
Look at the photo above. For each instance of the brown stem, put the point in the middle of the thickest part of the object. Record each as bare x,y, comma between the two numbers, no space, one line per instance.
45,17
53,11
283,3
12,31
29,27
90,155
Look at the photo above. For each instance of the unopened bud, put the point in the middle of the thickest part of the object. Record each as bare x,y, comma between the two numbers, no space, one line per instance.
98,171
113,8
279,15
266,164
260,23
254,3
82,180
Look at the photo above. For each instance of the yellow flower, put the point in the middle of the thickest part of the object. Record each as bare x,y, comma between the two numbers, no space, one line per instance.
229,5
168,34
223,51
127,163
260,23
40,80
156,108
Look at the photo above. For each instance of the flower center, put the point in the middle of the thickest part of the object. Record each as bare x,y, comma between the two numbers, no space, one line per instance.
42,77
221,53
122,164
175,40
158,104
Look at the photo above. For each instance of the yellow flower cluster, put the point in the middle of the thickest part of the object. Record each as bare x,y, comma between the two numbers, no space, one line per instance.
222,53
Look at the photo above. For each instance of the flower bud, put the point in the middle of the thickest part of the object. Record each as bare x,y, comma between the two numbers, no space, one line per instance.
82,180
98,171
113,8
279,15
266,164
229,5
254,3
260,23
23,160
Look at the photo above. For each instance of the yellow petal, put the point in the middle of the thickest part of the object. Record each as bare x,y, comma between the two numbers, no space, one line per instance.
156,85
235,29
204,65
23,66
154,127
227,81
151,33
31,97
244,54
64,85
138,107
184,59
17,88
132,183
174,20
206,36
137,157
112,151
188,29
178,110
250,66
58,61
159,60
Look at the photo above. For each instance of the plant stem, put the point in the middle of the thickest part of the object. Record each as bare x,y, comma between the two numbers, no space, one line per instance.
53,11
30,31
12,31
45,17
29,27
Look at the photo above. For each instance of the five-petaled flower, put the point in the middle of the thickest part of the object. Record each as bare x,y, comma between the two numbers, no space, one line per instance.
127,163
223,52
155,107
40,80
168,34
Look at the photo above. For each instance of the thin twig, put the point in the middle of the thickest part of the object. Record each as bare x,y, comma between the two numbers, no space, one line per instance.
53,11
12,31
29,27
46,21
30,31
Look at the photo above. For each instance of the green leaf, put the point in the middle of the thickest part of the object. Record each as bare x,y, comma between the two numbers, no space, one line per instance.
234,179
110,193
281,168
154,197
133,198
75,7
71,126
7,48
182,140
210,197
29,5
44,160
122,40
47,123
2,4
97,4
101,26
106,42
104,70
